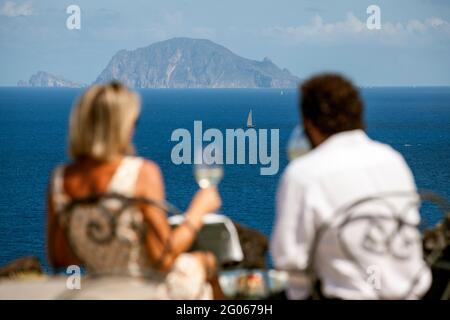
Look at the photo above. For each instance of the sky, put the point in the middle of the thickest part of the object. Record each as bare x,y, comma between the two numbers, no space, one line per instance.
412,48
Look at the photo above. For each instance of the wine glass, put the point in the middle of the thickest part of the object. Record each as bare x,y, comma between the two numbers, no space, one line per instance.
298,143
208,173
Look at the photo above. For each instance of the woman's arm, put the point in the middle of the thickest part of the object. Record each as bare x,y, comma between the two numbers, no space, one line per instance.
51,227
164,244
58,250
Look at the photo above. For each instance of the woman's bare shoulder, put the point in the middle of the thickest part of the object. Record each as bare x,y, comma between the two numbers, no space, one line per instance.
150,178
150,169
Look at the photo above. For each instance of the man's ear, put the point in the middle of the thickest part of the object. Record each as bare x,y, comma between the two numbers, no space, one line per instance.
310,128
313,133
307,124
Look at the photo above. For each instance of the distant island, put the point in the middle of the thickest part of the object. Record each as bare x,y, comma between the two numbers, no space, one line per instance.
45,79
184,63
193,63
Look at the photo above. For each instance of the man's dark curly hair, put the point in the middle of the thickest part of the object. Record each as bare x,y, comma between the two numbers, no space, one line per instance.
331,103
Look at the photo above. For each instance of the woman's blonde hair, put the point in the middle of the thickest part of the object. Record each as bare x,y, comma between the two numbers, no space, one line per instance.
102,121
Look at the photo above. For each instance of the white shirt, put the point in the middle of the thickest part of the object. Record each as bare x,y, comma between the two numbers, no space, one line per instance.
347,167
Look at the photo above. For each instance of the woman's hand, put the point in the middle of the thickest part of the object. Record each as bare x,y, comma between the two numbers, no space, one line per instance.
205,201
209,261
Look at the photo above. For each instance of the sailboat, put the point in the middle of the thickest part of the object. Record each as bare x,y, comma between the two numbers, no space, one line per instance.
250,120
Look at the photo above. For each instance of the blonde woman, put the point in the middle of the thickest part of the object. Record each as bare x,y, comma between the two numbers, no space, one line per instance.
100,135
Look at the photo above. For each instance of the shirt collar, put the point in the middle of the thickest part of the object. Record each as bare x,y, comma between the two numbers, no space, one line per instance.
349,137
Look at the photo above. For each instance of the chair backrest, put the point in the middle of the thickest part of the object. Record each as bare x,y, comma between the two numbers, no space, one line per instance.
102,224
106,231
383,225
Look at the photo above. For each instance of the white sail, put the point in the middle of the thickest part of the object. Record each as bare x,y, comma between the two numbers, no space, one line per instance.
250,120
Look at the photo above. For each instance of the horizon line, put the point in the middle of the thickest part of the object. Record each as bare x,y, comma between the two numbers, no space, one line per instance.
203,88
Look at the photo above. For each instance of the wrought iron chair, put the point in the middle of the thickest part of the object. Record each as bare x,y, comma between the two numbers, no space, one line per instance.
219,234
117,219
385,229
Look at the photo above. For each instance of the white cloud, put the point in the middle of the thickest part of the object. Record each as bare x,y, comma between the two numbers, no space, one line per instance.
354,28
11,9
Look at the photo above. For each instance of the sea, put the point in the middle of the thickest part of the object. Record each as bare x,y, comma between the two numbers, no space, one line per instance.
34,128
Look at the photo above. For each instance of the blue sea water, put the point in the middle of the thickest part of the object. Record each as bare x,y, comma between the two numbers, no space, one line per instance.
33,134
